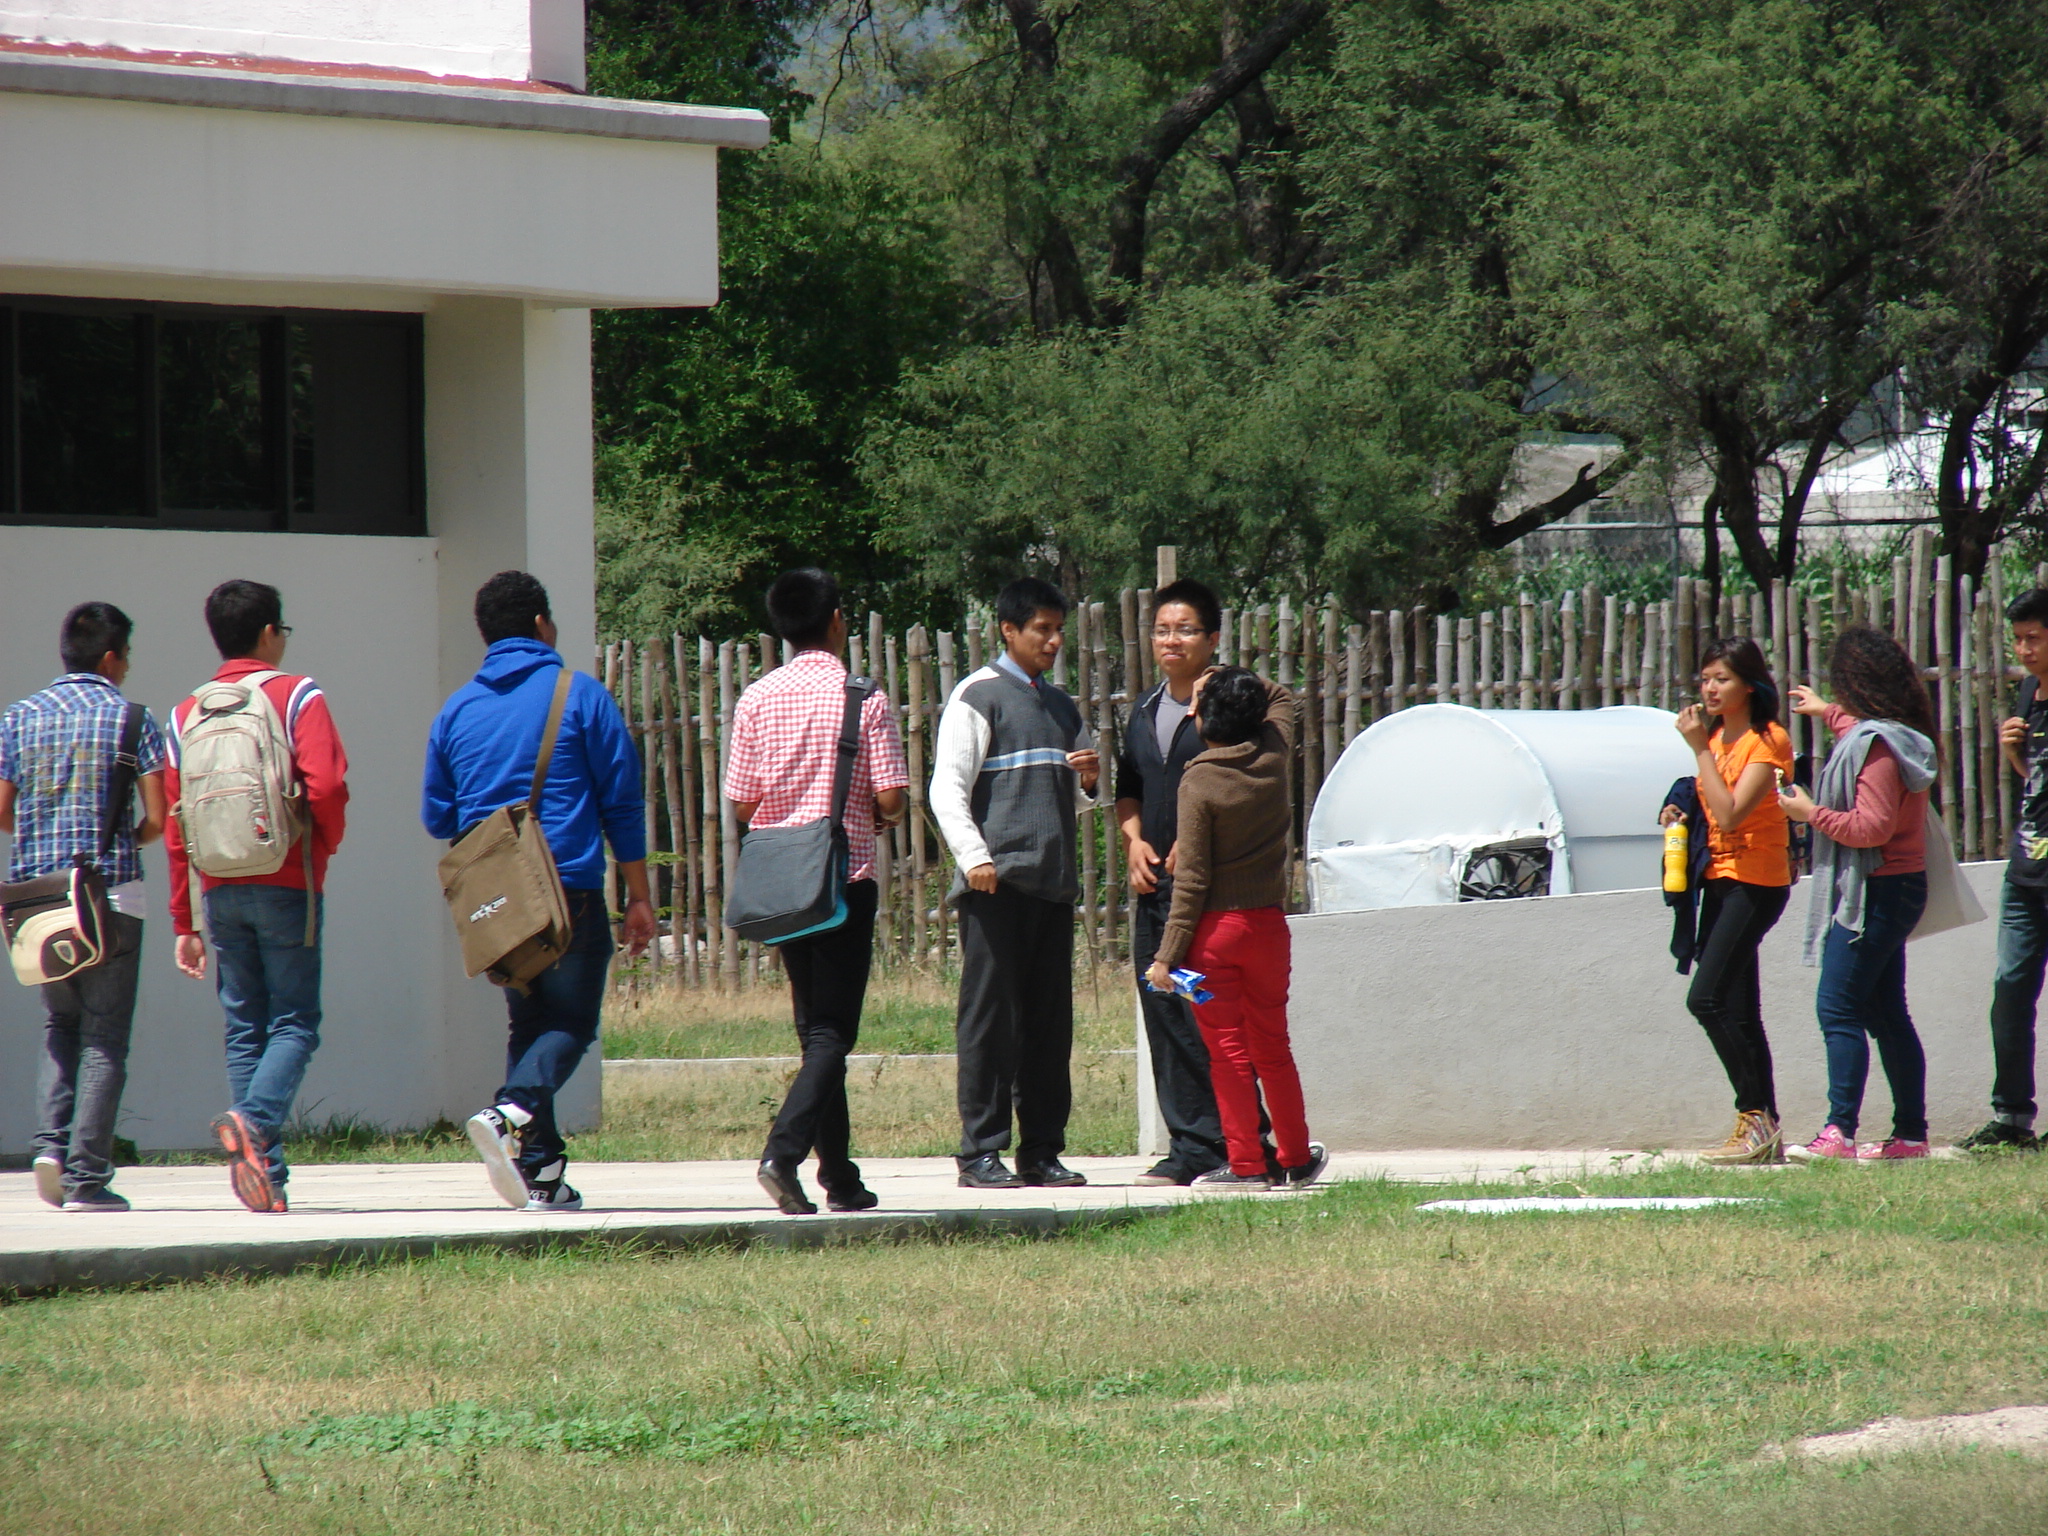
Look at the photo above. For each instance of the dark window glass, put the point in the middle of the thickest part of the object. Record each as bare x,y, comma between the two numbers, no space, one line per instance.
78,386
182,415
210,394
352,400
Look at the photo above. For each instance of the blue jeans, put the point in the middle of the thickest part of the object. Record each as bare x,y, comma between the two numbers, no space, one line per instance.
2022,953
268,978
1862,997
553,1025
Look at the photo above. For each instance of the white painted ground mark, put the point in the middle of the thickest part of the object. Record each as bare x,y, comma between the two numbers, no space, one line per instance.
2002,1429
1588,1203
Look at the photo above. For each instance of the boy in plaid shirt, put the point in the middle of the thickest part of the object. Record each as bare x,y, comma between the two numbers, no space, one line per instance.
778,773
57,751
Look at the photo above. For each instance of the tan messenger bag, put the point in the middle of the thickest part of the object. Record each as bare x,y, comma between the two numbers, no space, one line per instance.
501,884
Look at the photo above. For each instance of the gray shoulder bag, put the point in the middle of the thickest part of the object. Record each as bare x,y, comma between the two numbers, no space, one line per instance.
791,881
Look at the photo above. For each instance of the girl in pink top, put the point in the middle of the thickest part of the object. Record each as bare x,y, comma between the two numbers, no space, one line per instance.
1870,884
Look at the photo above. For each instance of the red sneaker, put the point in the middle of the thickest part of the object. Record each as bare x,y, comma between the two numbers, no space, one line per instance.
246,1171
1894,1149
1829,1143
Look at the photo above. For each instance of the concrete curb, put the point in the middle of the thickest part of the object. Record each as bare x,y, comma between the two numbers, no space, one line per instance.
48,1272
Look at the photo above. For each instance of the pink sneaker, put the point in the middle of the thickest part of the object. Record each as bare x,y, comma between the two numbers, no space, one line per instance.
1894,1149
1829,1143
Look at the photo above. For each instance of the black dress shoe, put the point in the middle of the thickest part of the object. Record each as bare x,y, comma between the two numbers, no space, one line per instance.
780,1180
987,1172
858,1198
1051,1174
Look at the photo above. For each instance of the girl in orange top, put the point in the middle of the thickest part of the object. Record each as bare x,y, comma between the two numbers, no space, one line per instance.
1741,747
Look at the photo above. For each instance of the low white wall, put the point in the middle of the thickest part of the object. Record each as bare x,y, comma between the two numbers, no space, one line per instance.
1561,1022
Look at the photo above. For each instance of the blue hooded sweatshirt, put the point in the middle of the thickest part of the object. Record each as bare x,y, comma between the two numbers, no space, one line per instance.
480,756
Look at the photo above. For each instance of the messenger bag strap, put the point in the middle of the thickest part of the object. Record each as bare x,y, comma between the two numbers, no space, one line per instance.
547,740
121,780
857,691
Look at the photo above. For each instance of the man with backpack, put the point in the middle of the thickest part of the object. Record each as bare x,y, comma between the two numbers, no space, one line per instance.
482,753
781,771
259,785
69,756
2023,900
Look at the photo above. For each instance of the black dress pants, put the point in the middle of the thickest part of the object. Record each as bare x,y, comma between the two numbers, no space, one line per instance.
1015,1028
828,981
1180,1061
1725,995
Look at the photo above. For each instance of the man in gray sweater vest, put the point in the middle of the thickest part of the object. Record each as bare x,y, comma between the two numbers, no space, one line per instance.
1012,749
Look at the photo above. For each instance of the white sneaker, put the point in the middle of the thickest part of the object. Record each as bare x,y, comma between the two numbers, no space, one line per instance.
496,1139
551,1192
50,1180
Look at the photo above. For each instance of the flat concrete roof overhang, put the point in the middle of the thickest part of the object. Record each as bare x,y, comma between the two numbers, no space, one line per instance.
215,179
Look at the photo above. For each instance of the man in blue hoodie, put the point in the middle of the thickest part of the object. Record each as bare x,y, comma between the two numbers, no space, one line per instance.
480,756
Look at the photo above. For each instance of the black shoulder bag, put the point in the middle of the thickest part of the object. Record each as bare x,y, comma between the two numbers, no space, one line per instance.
791,881
58,925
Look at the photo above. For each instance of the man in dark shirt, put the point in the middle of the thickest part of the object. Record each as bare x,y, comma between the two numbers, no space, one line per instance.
1158,741
2023,904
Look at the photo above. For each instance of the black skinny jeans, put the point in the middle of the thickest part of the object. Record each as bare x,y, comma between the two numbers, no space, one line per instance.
1725,996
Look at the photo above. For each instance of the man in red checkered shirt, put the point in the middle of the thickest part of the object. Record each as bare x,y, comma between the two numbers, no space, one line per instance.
778,773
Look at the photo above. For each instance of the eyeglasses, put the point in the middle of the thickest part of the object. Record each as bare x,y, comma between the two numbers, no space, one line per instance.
285,630
1184,632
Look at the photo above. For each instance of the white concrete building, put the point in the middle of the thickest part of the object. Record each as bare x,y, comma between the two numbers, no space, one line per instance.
300,290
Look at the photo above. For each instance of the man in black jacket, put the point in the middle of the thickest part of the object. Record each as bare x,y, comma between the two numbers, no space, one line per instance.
1159,740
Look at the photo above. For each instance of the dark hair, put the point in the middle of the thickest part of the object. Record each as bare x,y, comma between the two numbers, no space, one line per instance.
1745,658
1232,707
90,631
2028,607
801,605
1193,595
1018,603
1874,679
507,605
237,613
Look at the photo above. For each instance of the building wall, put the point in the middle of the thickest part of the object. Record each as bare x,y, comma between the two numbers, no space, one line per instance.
211,195
1561,1023
494,39
385,625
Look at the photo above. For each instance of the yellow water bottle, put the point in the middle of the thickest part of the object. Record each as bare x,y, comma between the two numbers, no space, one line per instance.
1676,838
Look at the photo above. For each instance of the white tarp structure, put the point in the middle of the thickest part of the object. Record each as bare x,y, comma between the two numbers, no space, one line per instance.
1401,816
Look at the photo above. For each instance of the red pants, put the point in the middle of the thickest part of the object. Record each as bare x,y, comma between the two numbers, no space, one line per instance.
1244,955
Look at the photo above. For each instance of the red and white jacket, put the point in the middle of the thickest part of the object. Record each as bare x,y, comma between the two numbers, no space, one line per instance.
322,767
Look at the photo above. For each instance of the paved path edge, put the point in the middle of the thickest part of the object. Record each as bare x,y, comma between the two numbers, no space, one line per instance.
50,1272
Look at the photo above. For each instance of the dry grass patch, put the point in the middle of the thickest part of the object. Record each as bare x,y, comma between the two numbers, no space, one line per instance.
1338,1363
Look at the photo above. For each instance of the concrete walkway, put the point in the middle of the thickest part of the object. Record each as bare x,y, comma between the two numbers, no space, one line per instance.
186,1223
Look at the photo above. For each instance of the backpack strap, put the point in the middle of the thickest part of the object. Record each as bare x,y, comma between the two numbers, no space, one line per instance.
547,740
857,691
2030,688
121,780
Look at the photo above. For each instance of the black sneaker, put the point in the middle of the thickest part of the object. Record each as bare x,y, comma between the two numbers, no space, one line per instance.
857,1198
102,1200
1050,1174
551,1191
987,1172
1308,1172
1999,1136
1164,1173
1223,1178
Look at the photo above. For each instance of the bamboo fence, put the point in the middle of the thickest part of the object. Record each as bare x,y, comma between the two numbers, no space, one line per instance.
1583,651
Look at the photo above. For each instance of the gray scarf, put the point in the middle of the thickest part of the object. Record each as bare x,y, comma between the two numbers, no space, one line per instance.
1839,872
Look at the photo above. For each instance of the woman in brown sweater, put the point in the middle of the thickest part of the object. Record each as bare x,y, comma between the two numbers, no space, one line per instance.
1229,886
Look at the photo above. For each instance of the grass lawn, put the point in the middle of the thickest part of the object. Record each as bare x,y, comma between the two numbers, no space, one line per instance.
909,1011
1335,1363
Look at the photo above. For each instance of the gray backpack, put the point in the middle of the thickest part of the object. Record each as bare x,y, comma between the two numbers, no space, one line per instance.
240,803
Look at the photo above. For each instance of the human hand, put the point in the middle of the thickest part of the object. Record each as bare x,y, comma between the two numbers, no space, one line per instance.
1159,976
1797,802
982,878
1806,702
637,931
2012,734
1692,725
1144,861
191,955
1088,765
1669,815
1172,858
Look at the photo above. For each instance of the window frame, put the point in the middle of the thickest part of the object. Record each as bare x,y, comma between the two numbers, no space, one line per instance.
279,458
